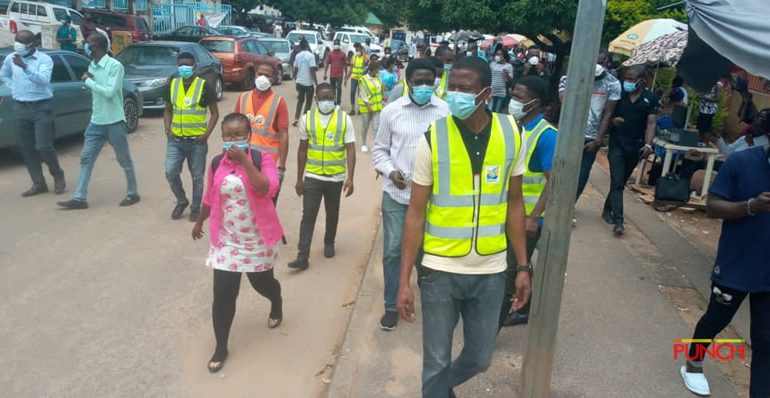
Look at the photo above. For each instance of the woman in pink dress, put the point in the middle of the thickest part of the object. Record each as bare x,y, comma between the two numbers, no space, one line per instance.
244,228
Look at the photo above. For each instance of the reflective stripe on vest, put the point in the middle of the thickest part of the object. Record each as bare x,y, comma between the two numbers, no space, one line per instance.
359,68
263,137
188,118
326,153
460,216
533,183
373,89
440,90
406,88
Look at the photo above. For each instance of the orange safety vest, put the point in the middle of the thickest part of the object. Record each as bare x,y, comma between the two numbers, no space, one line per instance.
263,136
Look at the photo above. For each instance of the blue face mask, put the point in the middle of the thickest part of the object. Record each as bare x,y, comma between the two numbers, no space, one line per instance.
185,71
461,105
629,87
421,94
87,49
243,144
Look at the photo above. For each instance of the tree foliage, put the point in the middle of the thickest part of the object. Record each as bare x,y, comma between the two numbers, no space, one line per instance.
624,14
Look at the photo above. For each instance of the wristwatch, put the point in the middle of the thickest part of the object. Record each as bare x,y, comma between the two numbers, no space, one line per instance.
527,267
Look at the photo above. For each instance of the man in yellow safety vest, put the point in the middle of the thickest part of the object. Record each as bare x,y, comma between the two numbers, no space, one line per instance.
357,70
370,102
184,118
326,161
447,57
466,198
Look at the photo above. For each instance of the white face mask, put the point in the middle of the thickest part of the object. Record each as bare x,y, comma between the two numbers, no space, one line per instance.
336,46
534,61
20,48
263,83
498,58
326,107
516,109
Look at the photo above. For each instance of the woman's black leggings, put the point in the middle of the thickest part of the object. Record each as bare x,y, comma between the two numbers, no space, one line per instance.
723,305
226,287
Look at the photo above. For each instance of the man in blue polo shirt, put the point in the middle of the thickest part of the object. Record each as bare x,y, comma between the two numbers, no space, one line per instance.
741,197
529,96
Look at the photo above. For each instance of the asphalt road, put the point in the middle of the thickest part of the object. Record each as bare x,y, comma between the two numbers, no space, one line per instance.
115,302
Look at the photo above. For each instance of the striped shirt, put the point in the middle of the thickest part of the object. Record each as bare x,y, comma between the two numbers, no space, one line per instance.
499,88
402,124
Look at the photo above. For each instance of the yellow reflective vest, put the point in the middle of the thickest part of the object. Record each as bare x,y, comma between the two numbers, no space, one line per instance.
463,213
358,67
440,90
326,153
533,183
189,117
373,89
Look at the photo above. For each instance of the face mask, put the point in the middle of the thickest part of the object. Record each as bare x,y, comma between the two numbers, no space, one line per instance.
447,67
436,82
87,49
533,61
262,83
629,87
498,58
21,49
421,94
326,107
469,53
243,144
65,22
462,105
336,46
185,71
516,109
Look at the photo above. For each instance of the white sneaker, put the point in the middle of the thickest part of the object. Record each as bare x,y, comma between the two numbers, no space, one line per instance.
695,382
364,148
574,222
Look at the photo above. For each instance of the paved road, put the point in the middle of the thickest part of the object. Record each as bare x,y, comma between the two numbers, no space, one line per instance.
115,302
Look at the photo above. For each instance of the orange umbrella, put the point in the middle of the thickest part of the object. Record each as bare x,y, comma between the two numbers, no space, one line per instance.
508,42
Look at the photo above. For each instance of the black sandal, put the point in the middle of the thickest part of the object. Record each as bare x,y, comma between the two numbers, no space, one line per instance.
276,316
216,365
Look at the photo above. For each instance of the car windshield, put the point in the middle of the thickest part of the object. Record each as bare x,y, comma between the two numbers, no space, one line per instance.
148,55
77,19
218,46
357,38
296,37
278,47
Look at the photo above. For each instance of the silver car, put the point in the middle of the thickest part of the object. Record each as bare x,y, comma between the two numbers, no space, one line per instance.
281,49
71,99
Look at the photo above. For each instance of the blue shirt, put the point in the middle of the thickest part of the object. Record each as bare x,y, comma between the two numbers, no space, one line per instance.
31,84
743,254
542,158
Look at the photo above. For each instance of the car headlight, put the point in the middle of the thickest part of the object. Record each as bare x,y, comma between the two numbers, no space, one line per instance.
156,82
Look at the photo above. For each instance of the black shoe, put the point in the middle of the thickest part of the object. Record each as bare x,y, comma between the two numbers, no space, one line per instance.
73,204
179,210
194,213
329,250
299,264
516,318
618,229
129,200
607,217
59,185
36,189
389,320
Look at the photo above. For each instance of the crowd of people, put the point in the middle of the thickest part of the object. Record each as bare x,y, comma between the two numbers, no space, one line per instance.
465,151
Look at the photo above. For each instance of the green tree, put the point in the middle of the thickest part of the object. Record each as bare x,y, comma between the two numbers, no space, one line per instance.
624,14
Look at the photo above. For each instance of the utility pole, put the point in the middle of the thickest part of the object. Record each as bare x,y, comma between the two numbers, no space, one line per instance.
548,278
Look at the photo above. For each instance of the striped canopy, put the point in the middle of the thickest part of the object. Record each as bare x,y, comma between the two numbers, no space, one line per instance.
644,32
664,50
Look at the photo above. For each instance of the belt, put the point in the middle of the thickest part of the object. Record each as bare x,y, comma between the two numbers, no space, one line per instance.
29,103
179,138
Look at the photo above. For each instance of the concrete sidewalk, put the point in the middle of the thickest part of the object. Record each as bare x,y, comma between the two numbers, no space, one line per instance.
615,333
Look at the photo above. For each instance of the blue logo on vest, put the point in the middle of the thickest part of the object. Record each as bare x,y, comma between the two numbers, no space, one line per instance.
492,174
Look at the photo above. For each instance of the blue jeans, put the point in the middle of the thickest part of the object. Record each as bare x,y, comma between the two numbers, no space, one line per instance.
176,153
589,157
94,138
393,215
353,93
496,104
445,297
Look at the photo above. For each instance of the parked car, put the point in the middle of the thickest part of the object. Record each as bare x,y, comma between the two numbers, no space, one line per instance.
400,50
120,22
71,100
233,30
281,49
240,57
361,30
314,39
191,34
151,65
349,39
32,15
261,35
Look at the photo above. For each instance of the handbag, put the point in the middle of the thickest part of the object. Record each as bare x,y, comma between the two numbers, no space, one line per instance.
671,192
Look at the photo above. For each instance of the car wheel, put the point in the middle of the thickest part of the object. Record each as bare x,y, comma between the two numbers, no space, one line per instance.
219,88
248,82
131,109
279,76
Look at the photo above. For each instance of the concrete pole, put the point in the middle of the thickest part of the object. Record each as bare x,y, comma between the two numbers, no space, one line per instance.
548,278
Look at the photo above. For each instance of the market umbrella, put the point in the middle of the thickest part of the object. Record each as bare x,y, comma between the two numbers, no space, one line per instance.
644,32
521,39
466,35
508,42
665,50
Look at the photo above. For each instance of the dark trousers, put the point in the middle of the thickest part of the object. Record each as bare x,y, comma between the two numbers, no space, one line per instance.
336,83
353,93
510,273
622,163
34,126
723,305
226,287
587,162
177,150
304,96
314,191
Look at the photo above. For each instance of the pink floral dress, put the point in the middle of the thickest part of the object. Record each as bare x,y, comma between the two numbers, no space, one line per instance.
241,247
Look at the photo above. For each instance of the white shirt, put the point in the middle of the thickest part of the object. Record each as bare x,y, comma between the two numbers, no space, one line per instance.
473,263
740,144
304,61
402,124
350,138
